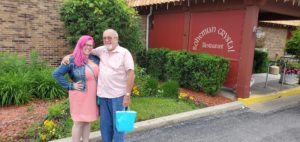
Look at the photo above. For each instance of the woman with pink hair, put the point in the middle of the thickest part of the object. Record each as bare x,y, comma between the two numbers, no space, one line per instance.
83,71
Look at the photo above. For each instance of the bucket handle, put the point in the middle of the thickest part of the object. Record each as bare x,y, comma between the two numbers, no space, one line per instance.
126,109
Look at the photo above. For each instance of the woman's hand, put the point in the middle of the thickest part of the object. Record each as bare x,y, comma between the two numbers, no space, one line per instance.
78,85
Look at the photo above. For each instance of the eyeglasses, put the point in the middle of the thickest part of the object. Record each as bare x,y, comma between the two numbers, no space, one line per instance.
107,38
88,45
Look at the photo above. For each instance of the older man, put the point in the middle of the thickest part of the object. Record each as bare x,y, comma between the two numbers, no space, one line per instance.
115,82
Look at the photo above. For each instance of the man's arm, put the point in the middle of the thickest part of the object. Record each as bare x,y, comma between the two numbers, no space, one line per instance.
129,67
96,52
66,59
130,82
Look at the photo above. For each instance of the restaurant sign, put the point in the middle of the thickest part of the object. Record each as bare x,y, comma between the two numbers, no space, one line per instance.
222,33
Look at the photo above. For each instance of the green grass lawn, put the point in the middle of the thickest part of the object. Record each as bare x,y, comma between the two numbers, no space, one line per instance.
146,108
154,107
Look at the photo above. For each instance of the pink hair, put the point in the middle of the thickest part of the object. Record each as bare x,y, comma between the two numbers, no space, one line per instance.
79,57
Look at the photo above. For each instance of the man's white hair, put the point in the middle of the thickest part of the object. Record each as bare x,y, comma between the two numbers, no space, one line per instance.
113,32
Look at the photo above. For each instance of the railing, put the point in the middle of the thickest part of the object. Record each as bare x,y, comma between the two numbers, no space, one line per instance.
282,63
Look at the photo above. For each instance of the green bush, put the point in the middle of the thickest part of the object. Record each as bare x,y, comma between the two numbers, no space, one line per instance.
260,63
197,71
149,87
293,65
93,17
293,45
59,110
45,86
14,80
146,85
155,59
20,81
170,89
15,88
35,62
174,67
208,73
192,70
140,75
141,59
58,124
12,63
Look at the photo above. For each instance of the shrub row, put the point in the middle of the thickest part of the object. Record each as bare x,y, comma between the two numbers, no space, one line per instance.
194,71
21,81
152,61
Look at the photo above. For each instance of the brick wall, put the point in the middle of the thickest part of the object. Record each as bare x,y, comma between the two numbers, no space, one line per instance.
275,39
33,24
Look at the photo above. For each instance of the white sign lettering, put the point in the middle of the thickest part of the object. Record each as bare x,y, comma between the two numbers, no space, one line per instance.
210,45
221,32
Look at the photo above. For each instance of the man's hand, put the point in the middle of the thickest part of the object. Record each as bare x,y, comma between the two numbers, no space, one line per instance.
78,85
126,101
66,60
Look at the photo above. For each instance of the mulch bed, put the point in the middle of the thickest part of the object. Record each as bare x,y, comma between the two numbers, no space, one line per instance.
200,97
14,120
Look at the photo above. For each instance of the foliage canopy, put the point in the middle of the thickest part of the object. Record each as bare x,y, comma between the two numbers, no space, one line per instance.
293,45
92,17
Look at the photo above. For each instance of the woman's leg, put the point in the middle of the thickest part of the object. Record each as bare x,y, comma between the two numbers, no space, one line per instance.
86,132
76,131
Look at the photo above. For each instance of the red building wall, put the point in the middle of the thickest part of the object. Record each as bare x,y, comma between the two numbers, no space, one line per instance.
217,33
168,27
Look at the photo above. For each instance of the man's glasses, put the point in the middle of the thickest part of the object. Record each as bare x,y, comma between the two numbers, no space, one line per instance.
107,38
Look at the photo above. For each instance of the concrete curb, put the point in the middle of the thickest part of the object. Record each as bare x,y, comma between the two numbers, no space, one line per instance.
263,98
276,105
171,119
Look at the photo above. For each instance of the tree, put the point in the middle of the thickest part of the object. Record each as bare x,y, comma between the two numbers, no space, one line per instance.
92,17
293,45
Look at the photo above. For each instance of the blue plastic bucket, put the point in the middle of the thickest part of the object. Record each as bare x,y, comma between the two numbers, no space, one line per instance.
125,120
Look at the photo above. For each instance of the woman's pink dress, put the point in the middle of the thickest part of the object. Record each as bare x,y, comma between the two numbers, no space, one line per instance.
83,106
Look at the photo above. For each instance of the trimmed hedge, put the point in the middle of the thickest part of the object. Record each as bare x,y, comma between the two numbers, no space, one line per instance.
153,61
191,70
175,67
197,71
